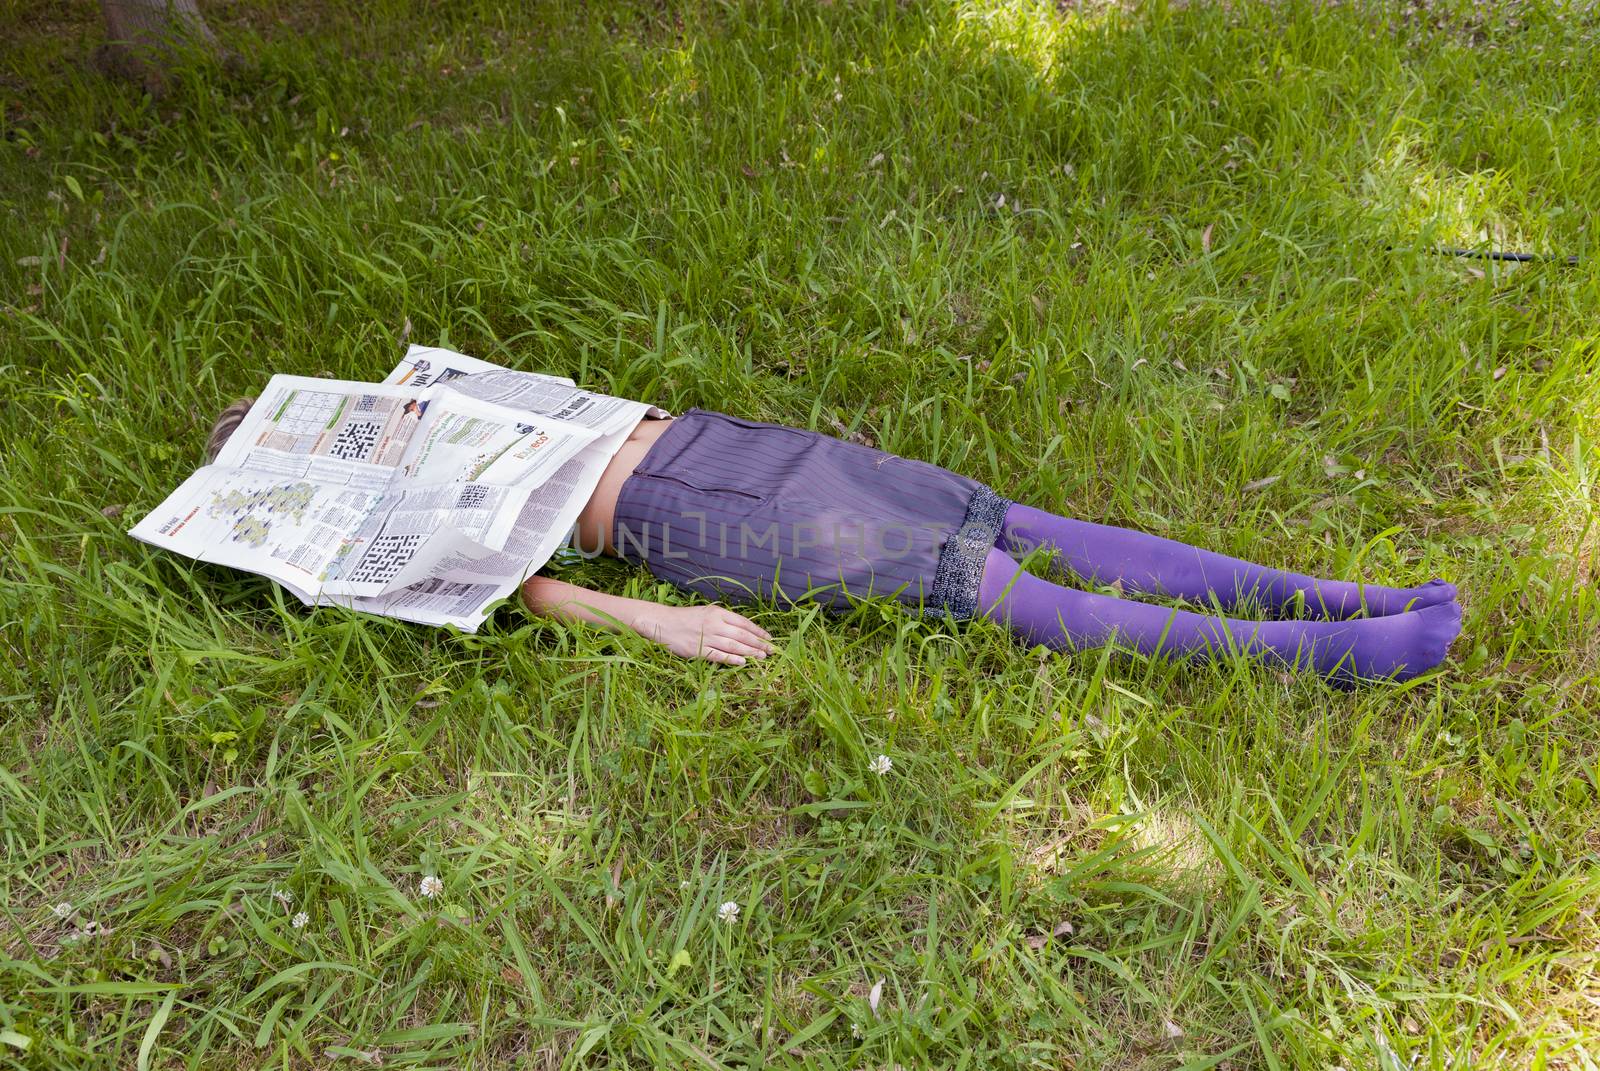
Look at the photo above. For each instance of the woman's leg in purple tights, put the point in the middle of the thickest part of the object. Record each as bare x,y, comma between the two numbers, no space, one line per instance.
1401,645
1147,564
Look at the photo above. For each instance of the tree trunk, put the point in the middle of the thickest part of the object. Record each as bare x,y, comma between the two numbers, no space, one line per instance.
144,36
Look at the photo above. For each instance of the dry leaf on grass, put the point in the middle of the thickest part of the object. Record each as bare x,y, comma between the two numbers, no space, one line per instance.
1037,941
614,894
843,431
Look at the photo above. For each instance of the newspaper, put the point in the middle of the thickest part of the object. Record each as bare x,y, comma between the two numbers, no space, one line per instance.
429,497
531,391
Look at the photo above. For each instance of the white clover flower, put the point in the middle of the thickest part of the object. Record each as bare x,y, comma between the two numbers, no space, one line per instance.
684,885
728,912
882,765
430,887
62,911
282,897
300,919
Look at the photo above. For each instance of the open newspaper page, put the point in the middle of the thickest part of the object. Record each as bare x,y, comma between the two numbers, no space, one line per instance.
332,487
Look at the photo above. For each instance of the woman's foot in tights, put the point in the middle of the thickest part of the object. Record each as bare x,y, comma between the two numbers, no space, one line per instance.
1399,646
1153,565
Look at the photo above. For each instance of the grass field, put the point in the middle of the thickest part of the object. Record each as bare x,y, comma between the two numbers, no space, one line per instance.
1154,266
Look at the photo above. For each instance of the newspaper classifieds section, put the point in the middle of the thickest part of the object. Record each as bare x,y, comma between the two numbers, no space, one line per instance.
533,394
528,392
423,366
290,529
554,508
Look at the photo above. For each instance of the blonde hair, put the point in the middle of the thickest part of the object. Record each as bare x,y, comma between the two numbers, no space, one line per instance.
227,423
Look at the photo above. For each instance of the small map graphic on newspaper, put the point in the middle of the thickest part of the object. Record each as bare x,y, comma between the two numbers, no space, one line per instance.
252,512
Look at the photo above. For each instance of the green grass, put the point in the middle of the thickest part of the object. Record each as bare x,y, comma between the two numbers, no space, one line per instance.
793,211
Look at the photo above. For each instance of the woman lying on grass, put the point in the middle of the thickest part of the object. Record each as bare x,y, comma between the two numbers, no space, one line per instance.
740,510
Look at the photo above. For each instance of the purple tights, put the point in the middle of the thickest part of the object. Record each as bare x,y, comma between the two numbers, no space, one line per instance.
1407,630
1151,565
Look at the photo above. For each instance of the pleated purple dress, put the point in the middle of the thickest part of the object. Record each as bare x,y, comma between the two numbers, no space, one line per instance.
741,510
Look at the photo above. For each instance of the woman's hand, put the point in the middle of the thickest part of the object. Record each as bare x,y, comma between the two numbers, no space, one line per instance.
714,633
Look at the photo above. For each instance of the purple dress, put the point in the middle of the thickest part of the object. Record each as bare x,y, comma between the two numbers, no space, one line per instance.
741,510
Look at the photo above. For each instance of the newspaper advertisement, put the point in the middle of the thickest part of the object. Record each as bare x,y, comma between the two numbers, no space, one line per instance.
414,498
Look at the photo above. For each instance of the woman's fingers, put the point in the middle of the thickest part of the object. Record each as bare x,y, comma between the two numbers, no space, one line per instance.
744,635
719,635
745,623
732,644
742,628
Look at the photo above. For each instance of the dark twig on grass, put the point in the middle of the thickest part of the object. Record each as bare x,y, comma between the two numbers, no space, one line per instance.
1500,254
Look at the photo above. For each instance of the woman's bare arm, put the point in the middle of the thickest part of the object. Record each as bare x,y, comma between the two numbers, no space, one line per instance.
715,633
